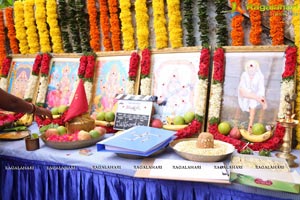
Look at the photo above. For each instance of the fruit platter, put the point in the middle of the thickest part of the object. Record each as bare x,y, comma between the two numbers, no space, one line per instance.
56,136
202,149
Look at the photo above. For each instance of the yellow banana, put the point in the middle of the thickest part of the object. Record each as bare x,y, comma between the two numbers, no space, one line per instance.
103,123
174,127
25,120
256,138
55,116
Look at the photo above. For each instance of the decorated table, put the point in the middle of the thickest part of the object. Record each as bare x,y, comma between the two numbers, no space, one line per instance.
49,173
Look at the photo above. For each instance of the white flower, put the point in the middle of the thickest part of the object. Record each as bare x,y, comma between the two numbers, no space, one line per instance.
130,87
287,87
146,86
42,90
31,87
200,96
3,83
215,100
88,86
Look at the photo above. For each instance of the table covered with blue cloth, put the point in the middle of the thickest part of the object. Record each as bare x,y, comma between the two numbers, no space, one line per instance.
49,173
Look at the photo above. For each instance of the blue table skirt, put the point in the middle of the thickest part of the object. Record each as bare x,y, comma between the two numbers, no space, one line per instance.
38,181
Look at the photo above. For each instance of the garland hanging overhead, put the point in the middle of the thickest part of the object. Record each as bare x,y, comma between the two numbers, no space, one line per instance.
81,19
114,25
31,30
40,16
2,40
20,27
174,26
159,23
105,26
142,20
126,25
94,29
11,32
276,22
188,22
54,29
255,20
203,23
237,32
221,32
63,23
74,27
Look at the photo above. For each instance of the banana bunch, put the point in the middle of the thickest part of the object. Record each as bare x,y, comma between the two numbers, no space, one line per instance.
256,138
25,120
103,123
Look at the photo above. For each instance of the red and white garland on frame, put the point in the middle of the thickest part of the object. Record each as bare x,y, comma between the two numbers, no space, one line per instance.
145,86
132,73
4,72
216,98
86,72
34,78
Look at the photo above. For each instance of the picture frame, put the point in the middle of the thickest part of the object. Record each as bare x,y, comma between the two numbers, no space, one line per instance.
235,104
111,76
63,76
19,75
174,77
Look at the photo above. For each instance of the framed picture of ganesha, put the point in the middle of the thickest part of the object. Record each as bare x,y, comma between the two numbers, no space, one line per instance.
253,89
62,78
176,84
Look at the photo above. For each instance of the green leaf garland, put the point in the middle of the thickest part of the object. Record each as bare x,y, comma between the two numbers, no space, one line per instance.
203,23
188,22
63,23
74,27
222,34
81,18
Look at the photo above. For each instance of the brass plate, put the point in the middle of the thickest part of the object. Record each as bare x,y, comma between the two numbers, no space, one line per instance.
14,135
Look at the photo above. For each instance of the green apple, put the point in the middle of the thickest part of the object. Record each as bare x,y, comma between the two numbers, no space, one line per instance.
61,130
62,109
224,128
178,120
258,129
94,133
109,116
100,116
189,117
54,111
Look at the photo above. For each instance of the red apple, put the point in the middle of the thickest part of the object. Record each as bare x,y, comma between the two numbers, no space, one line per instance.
51,131
101,130
157,123
235,133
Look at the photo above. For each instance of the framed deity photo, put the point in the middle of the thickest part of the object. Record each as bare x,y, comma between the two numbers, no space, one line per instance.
19,76
111,78
176,84
63,75
252,88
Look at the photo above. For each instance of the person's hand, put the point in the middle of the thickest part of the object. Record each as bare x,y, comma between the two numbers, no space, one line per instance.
43,112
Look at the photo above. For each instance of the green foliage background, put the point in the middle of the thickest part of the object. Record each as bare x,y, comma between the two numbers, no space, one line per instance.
5,3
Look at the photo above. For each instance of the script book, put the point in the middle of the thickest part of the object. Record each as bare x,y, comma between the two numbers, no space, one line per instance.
138,140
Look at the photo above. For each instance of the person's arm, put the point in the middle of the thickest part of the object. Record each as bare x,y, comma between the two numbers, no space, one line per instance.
12,103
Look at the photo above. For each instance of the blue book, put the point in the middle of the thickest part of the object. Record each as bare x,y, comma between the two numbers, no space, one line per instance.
138,140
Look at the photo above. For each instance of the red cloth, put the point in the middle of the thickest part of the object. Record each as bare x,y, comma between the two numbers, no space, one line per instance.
79,103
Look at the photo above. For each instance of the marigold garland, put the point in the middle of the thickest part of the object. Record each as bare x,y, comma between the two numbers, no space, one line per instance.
296,22
20,27
255,20
13,42
237,32
105,26
276,22
31,30
159,23
174,26
115,25
2,40
55,33
142,20
94,29
188,22
40,16
126,25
